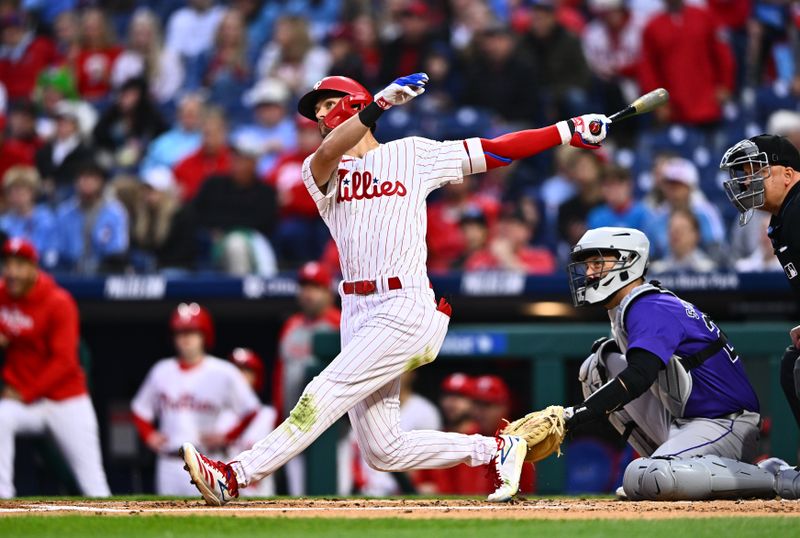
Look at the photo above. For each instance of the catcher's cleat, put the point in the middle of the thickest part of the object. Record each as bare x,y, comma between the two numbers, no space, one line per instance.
511,452
215,480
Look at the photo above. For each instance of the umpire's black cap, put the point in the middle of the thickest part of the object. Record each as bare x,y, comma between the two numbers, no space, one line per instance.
779,150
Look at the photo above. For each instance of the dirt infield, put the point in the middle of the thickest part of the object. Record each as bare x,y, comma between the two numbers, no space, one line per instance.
412,508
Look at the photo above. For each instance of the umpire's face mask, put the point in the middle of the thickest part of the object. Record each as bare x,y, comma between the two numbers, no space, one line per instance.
748,167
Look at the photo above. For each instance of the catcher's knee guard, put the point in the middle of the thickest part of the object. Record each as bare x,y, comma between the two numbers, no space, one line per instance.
694,479
594,374
787,483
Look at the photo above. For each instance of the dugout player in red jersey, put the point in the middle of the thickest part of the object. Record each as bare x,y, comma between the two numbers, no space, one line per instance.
44,387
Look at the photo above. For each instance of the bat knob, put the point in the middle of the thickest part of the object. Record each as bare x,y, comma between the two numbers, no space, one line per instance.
595,127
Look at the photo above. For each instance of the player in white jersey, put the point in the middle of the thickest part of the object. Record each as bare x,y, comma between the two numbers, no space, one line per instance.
372,197
185,395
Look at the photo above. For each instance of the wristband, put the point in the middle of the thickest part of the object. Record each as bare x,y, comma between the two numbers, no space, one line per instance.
370,114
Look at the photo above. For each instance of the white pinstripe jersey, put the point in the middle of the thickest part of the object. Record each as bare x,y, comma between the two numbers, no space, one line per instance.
375,205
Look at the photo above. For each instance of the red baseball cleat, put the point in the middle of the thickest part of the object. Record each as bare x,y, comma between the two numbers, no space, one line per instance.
215,480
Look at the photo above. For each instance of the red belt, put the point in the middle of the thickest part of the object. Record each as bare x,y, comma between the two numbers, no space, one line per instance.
366,287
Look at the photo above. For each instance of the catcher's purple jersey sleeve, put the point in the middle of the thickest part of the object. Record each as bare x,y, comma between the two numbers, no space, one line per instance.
665,326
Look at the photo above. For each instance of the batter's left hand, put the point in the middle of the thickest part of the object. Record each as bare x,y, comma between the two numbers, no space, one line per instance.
795,334
10,393
402,90
590,130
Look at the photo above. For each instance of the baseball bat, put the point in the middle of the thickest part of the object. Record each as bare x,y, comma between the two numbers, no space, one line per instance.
646,103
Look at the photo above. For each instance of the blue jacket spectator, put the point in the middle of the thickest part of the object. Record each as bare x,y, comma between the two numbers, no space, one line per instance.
23,218
92,230
620,207
171,147
274,131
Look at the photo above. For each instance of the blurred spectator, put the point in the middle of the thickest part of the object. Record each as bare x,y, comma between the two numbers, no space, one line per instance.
96,58
456,404
224,69
620,207
44,388
23,218
509,248
475,231
680,190
23,56
92,229
301,234
407,52
762,258
560,65
344,58
584,173
182,398
559,187
55,86
146,57
182,139
365,35
67,34
684,246
191,29
274,130
682,52
59,160
502,78
22,127
239,212
785,123
152,214
416,413
12,152
612,45
127,127
252,368
468,18
293,57
444,216
295,354
212,157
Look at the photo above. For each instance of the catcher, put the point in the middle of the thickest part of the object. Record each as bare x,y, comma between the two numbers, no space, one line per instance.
669,381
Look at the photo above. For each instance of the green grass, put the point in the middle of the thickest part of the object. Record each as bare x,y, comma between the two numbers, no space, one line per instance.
198,527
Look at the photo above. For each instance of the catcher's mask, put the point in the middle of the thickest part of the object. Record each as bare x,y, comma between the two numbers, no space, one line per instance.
604,261
748,167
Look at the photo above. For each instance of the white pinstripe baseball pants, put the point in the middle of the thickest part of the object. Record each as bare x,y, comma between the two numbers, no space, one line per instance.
383,335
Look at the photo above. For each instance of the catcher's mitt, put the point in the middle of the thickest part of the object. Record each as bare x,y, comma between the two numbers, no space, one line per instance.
543,431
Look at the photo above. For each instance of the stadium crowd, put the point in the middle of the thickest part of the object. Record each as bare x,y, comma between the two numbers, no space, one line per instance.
146,135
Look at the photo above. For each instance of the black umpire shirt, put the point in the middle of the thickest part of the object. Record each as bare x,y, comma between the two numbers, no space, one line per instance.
784,231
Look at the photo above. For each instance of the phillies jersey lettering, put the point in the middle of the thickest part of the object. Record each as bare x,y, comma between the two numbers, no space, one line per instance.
15,320
375,205
360,186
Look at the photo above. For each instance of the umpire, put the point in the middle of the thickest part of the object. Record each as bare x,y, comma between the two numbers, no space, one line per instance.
765,174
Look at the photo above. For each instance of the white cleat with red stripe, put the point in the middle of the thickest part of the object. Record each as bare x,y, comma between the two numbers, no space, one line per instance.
508,461
215,479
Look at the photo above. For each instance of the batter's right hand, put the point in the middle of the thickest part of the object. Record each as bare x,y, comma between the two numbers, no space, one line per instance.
402,90
156,441
795,335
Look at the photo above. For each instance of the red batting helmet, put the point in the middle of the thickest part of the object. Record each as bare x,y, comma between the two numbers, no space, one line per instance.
193,317
247,358
490,389
314,273
22,248
358,98
458,383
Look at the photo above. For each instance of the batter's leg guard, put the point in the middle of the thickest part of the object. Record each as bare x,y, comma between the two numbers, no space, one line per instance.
695,479
790,380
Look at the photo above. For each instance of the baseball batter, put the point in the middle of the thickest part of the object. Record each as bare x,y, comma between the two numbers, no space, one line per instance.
372,197
186,395
44,385
669,381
